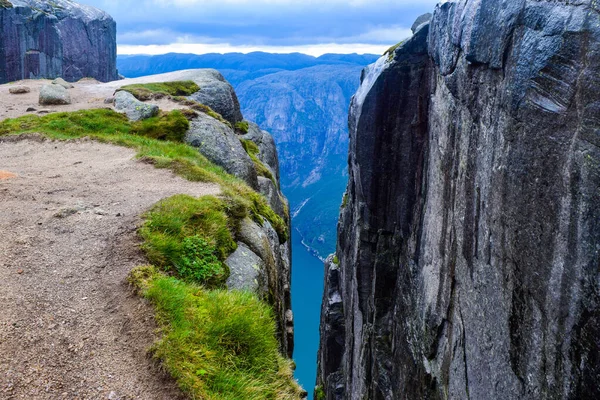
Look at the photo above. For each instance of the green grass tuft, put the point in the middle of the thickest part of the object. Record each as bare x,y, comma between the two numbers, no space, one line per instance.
253,151
242,127
203,108
149,91
319,393
167,126
216,344
191,237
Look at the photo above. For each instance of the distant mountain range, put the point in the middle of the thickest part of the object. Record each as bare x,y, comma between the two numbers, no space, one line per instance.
303,101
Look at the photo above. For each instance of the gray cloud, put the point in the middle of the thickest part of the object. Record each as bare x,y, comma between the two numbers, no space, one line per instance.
262,22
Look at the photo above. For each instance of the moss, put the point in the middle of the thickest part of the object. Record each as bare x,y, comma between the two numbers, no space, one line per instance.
149,91
5,4
345,200
111,127
319,393
203,108
261,169
336,260
216,344
242,127
390,52
167,126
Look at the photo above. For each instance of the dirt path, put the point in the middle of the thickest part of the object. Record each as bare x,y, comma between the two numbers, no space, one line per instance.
70,327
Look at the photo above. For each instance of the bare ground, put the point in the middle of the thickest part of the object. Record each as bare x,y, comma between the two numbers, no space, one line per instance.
70,327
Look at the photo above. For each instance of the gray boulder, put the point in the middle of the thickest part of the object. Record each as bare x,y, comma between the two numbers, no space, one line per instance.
19,90
217,93
217,142
63,83
246,271
135,110
46,39
54,95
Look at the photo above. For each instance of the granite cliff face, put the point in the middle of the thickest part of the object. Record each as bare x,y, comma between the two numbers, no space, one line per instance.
42,39
469,244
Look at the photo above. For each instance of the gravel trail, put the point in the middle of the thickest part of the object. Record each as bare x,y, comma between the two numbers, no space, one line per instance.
70,327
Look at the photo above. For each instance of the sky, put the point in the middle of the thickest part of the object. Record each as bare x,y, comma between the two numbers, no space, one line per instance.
312,27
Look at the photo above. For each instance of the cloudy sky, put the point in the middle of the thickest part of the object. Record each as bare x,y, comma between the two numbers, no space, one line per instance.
279,26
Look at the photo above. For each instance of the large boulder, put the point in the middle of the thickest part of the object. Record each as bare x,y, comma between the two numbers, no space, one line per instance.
134,109
47,39
54,95
219,143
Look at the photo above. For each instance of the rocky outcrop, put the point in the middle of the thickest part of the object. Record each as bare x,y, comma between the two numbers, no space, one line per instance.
60,38
468,248
219,143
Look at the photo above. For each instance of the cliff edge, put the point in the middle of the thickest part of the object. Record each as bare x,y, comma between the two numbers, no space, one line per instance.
468,257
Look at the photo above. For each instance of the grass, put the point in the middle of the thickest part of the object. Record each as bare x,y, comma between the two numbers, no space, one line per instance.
242,127
390,52
108,126
319,393
217,344
149,91
253,151
166,126
203,108
192,237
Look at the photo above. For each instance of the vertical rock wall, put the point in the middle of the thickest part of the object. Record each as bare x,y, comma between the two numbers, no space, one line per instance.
49,39
469,263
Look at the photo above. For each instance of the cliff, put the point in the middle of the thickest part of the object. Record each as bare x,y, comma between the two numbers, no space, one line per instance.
468,244
41,39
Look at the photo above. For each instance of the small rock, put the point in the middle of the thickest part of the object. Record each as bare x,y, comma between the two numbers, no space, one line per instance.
54,95
30,109
44,112
19,90
113,396
109,100
20,272
63,83
133,108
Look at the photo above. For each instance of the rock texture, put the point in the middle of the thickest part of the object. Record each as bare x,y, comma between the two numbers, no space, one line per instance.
54,95
219,143
135,110
48,39
469,246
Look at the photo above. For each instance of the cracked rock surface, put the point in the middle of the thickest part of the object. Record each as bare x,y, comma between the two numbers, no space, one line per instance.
469,246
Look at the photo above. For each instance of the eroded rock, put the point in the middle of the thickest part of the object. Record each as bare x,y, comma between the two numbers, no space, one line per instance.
135,110
54,95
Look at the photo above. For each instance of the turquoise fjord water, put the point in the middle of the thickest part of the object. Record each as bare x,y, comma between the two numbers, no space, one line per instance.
307,292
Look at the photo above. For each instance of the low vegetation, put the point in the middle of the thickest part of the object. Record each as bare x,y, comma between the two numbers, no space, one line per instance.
5,4
166,126
217,344
242,127
149,91
253,151
203,108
